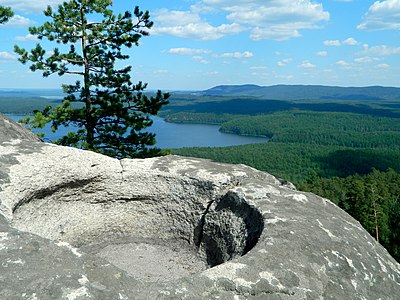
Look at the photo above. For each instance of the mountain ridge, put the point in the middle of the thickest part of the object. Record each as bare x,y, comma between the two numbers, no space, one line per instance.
306,92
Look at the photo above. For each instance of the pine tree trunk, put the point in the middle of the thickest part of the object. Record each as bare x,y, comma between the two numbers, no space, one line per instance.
88,101
375,215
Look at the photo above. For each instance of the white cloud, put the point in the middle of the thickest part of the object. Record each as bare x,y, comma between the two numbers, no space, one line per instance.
18,22
277,19
367,59
246,54
187,51
322,53
7,56
25,38
350,41
331,43
160,72
202,8
284,62
29,6
382,66
382,15
381,50
364,59
197,57
213,73
186,24
307,65
335,43
343,64
258,68
200,59
284,77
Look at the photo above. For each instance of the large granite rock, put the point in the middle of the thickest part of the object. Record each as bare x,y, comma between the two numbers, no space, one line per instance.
79,225
10,130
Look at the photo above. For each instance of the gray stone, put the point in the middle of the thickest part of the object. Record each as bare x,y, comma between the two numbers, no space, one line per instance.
10,130
78,225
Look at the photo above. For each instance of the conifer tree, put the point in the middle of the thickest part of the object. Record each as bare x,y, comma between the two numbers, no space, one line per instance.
5,14
110,111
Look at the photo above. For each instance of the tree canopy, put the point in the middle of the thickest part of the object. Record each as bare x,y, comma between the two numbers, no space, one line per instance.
5,14
372,199
109,111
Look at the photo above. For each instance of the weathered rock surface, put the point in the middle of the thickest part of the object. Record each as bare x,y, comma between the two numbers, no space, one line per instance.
10,130
79,225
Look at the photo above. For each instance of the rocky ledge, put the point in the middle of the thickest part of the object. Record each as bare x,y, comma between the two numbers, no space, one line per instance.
78,225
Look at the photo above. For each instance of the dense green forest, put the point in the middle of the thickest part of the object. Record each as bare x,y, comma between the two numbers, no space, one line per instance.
20,105
323,128
252,106
295,162
24,103
198,118
372,199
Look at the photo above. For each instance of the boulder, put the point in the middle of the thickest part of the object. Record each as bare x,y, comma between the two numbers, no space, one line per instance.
78,225
10,130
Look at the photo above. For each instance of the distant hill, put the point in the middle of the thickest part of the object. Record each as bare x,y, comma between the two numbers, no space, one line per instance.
307,92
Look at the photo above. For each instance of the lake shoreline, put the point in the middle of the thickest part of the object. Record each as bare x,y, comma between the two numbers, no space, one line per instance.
174,135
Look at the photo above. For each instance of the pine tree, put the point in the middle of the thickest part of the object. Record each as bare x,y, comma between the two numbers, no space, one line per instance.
110,112
5,14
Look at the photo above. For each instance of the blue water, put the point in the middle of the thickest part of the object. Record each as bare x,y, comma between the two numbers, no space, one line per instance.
172,135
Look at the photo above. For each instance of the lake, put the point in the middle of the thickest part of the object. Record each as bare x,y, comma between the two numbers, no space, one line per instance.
172,135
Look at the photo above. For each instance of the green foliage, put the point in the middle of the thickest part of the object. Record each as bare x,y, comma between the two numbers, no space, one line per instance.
321,128
245,105
5,14
292,162
372,199
295,162
114,112
329,144
198,118
22,106
394,221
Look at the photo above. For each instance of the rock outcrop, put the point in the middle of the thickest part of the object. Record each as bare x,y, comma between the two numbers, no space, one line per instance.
78,225
10,130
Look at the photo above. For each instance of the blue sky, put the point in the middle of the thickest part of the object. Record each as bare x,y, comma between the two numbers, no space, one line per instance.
197,44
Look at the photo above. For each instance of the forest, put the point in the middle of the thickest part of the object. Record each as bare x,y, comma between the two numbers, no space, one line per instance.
321,128
372,199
